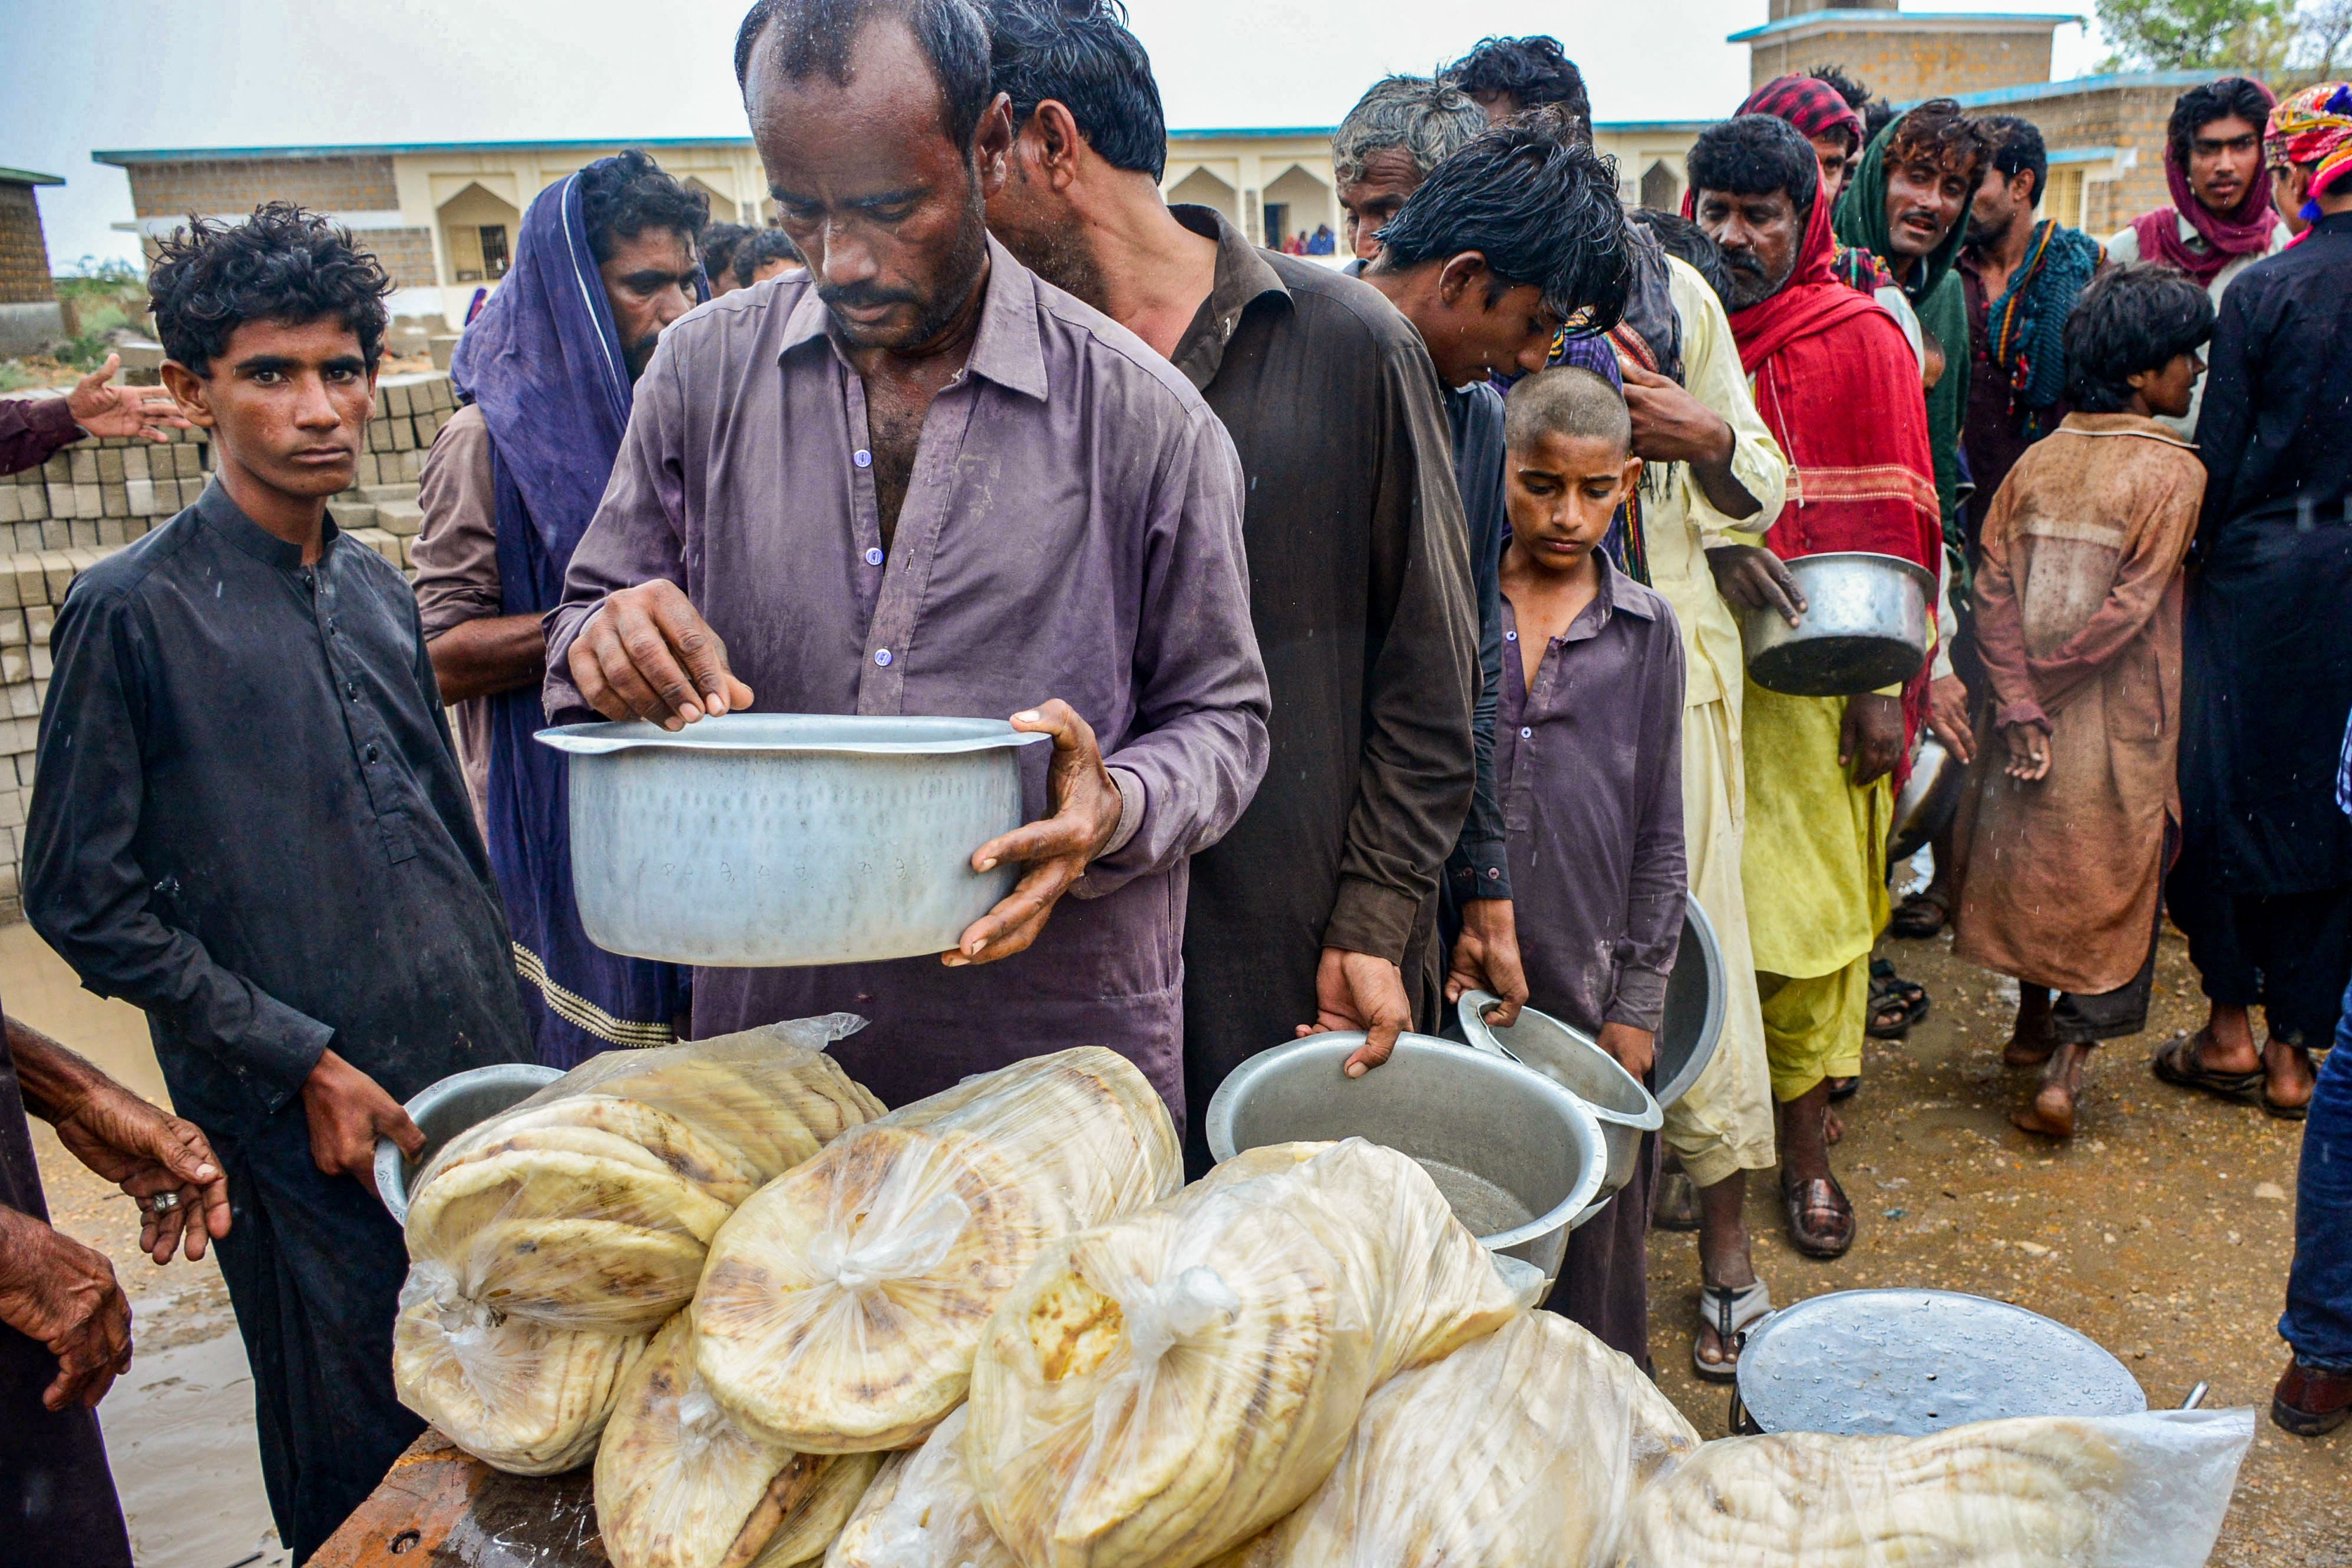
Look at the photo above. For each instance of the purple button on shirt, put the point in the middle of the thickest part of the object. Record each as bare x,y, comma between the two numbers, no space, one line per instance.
1071,530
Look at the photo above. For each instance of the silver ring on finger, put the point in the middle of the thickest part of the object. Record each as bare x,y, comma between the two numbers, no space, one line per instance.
162,1203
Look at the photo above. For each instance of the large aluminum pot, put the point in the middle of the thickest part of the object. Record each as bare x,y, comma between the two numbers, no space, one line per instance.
1568,1057
1696,994
1867,625
457,1104
1518,1157
1930,799
774,840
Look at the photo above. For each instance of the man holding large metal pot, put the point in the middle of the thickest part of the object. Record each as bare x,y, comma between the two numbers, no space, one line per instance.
918,479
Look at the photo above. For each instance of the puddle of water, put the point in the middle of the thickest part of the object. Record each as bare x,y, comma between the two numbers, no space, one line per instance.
1483,1207
179,1431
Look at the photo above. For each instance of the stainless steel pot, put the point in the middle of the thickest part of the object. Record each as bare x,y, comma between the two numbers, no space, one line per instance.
1571,1059
1867,625
1503,1143
1695,999
1930,799
1907,1362
457,1103
758,839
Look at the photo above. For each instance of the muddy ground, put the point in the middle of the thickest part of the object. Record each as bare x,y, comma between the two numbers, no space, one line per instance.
2164,1232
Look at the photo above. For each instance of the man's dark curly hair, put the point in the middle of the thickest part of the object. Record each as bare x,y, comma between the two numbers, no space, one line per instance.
716,244
2131,319
1539,204
1534,71
622,196
282,264
2202,105
1835,77
1685,240
1755,156
1080,54
1940,132
760,247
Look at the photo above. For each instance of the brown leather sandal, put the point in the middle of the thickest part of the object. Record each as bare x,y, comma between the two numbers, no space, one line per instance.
2310,1403
1820,1217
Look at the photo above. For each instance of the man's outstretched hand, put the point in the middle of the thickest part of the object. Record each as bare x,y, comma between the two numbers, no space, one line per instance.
648,654
105,410
149,1153
1752,578
1358,991
1085,806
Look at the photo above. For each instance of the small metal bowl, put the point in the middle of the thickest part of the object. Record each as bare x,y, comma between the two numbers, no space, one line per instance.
457,1104
1867,625
1491,1134
1930,800
1620,1101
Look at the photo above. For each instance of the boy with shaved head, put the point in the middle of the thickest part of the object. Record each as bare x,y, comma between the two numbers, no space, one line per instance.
1588,760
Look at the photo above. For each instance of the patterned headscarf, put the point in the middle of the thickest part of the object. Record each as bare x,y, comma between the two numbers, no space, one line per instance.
1813,107
2314,126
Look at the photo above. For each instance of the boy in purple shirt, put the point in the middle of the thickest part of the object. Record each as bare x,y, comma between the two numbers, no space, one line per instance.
1588,758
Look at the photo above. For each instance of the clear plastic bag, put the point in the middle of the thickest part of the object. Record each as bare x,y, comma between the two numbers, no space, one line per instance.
1162,1389
1522,1451
840,1304
921,1512
546,1245
2123,1492
681,1485
589,1205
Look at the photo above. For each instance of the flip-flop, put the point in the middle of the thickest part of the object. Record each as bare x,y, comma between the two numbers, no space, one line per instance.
1728,1309
2176,1063
1821,1195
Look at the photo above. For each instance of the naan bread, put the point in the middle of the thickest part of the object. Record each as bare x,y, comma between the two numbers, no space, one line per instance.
840,1306
921,1512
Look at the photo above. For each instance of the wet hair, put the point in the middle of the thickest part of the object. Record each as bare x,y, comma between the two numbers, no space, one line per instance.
1570,401
1539,205
621,197
1940,132
716,244
761,247
1080,54
2134,317
283,263
1877,116
1835,77
2016,148
2219,99
818,35
1429,121
1754,155
1535,71
1685,240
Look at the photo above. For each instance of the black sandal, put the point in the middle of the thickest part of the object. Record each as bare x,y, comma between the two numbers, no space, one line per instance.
1919,917
1895,1003
2176,1063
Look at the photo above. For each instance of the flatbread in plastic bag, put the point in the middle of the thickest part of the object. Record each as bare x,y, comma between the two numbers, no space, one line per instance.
1520,1450
921,1512
840,1304
2121,1492
1160,1389
679,1484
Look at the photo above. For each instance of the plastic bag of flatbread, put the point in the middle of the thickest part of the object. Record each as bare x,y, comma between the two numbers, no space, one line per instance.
1523,1449
2121,1492
840,1304
681,1485
1160,1389
589,1205
921,1512
547,1244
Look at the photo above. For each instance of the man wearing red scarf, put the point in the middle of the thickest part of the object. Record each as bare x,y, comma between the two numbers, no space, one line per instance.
2220,220
1838,387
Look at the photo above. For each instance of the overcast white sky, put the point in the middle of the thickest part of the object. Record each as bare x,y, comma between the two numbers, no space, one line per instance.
244,73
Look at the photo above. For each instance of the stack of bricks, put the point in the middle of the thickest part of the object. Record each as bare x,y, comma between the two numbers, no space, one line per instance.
96,496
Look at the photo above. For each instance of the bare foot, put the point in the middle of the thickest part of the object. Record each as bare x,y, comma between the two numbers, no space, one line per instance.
2030,1043
1832,1128
2290,1077
2052,1114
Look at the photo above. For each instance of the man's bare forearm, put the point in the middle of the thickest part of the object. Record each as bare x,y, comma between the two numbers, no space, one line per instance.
482,658
54,1080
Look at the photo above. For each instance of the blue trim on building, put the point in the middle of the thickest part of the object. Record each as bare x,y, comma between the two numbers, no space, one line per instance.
2029,92
1890,21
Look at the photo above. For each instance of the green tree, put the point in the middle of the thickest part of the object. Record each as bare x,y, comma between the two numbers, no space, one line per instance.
2198,35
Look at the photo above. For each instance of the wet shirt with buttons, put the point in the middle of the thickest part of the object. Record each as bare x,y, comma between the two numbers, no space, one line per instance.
249,820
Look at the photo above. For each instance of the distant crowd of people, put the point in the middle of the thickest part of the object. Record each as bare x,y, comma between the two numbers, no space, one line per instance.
1386,622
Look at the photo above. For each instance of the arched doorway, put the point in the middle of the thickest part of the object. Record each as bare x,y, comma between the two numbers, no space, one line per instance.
1662,192
477,230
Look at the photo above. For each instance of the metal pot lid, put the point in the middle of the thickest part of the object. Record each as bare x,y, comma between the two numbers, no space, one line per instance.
1907,1362
1566,1055
869,733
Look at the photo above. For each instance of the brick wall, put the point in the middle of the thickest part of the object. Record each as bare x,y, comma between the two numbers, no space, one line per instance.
24,257
1903,67
90,501
406,255
359,185
2130,118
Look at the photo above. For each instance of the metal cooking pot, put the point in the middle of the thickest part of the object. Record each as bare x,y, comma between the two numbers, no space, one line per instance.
1692,1024
1930,799
1867,625
761,840
1518,1157
1573,1059
457,1104
1905,1364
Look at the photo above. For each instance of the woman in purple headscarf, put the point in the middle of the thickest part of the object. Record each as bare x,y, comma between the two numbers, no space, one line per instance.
605,262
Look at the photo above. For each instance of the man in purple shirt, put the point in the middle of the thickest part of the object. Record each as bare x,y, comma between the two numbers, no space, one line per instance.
917,479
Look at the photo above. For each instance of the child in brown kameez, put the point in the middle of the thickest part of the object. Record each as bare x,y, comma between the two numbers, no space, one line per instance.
2077,602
